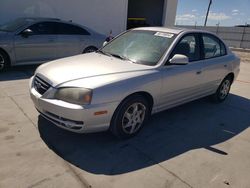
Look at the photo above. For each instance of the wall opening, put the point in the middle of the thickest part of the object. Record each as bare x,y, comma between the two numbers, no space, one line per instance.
143,13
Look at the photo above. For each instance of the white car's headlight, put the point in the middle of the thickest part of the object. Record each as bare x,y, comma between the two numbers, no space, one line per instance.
79,96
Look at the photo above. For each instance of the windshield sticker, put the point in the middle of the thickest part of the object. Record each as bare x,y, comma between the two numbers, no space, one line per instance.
167,35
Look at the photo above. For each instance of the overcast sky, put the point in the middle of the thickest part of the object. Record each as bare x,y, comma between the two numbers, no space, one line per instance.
224,12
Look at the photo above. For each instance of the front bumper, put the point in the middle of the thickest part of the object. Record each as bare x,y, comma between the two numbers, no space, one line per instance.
73,117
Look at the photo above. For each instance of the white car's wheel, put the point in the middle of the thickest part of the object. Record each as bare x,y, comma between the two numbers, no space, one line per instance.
4,62
130,117
89,49
223,90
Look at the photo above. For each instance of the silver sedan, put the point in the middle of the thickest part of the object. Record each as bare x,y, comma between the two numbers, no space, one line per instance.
38,40
141,72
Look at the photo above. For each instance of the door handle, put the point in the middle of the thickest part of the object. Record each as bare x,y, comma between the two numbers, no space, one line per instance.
198,72
225,65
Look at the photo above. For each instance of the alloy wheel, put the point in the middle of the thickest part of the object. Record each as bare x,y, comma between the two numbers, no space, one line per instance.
90,50
133,118
2,62
225,88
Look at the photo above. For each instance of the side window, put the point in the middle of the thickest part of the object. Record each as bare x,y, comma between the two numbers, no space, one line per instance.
68,29
43,28
188,46
213,47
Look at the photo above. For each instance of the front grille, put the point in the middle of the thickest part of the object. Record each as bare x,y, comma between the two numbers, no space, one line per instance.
40,85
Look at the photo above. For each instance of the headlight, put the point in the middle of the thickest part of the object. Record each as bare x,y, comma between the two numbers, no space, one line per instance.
79,96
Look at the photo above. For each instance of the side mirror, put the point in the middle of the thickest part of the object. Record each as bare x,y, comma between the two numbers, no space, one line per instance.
179,59
109,38
26,33
105,42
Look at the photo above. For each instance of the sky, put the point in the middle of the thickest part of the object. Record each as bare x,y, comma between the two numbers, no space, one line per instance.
222,12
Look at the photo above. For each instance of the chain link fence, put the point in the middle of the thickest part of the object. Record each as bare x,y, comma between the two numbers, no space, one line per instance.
236,37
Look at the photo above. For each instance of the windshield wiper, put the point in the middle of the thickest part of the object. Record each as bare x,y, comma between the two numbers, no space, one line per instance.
122,57
115,55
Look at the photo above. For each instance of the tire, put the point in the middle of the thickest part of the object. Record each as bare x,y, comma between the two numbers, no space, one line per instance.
223,90
89,49
130,117
4,61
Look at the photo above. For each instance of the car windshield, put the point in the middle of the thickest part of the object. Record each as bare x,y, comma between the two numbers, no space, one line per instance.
139,46
15,25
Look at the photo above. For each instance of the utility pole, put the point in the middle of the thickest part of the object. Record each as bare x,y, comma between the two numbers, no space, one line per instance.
208,9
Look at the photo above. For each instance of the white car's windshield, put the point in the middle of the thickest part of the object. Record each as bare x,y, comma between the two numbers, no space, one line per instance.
15,25
139,46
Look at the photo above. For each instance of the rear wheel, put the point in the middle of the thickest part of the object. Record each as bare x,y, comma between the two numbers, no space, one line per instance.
4,60
223,90
130,117
89,49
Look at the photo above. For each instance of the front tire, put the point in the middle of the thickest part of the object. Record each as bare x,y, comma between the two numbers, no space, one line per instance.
223,90
4,61
89,49
130,117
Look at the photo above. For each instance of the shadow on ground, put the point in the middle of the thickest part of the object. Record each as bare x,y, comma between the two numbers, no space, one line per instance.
18,73
199,124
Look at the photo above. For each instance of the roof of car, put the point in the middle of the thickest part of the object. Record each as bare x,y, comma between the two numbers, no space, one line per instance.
174,30
39,18
42,19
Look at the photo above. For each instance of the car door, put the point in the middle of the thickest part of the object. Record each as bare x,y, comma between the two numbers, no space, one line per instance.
70,38
183,83
215,61
38,46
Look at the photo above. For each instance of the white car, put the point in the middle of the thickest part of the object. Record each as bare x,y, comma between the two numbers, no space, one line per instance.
141,72
26,41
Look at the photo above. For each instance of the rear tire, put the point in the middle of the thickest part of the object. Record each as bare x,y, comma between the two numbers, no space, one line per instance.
130,117
223,90
4,60
89,49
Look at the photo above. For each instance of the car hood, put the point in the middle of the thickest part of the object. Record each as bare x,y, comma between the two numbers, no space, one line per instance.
85,66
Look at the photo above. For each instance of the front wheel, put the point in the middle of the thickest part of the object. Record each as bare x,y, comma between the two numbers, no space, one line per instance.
4,62
89,49
130,117
223,90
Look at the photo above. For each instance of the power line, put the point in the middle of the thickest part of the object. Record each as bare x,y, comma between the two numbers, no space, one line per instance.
208,9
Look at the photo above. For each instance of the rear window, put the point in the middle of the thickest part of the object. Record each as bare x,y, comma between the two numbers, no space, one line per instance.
213,47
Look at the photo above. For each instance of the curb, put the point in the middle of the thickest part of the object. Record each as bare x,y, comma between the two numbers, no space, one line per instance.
240,49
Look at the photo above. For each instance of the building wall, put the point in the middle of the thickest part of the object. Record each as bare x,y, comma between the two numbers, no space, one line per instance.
100,15
169,13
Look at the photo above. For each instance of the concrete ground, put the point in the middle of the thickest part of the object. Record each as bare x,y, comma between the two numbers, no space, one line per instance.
199,144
